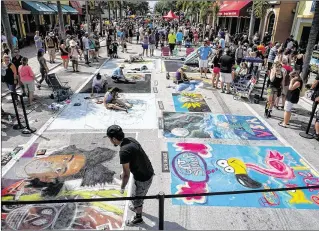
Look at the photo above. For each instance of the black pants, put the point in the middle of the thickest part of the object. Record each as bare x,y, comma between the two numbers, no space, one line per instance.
137,39
172,47
43,76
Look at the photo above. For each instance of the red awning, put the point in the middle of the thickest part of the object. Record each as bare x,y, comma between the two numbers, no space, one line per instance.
76,5
232,8
13,7
170,15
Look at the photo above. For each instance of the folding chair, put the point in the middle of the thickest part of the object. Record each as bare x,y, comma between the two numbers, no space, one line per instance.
189,51
165,51
61,90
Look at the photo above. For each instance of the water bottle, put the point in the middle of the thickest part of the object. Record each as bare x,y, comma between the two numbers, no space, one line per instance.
9,118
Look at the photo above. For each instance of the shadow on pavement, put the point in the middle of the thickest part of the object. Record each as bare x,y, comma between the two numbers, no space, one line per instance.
167,224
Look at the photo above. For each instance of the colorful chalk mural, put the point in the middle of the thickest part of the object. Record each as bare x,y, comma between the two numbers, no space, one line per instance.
207,125
65,174
202,168
190,102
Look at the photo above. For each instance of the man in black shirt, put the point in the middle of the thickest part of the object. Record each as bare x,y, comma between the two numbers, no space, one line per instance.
134,160
226,64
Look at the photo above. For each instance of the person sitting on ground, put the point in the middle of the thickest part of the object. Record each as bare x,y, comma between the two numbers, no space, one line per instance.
98,84
118,75
111,101
180,76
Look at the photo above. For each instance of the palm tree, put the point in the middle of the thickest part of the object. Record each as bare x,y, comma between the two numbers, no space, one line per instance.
215,10
311,42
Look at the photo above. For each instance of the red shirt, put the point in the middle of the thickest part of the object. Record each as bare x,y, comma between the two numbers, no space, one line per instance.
288,68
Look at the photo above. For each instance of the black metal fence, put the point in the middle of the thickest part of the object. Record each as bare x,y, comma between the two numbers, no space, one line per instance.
161,198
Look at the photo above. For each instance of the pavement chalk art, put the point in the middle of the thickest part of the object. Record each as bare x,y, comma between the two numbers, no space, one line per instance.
190,102
90,115
207,125
67,173
202,168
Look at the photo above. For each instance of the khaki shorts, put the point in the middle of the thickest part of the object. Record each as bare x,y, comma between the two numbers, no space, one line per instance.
51,51
29,85
226,77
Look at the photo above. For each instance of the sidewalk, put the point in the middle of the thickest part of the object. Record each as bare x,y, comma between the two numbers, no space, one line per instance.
31,54
39,113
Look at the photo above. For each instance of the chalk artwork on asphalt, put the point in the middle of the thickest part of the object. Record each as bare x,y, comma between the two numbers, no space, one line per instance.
207,125
93,116
65,174
202,168
190,102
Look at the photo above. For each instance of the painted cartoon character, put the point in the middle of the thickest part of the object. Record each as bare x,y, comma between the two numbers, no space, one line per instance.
238,167
297,196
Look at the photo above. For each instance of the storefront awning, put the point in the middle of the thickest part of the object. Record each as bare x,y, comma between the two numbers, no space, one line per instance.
15,8
235,9
55,8
76,5
70,9
37,8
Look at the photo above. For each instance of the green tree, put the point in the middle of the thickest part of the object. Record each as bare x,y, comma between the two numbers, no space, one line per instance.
163,6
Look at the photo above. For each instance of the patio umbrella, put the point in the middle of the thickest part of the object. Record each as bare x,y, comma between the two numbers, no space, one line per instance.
170,15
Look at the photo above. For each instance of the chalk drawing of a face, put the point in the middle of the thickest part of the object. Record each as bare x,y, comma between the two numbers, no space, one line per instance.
51,167
180,132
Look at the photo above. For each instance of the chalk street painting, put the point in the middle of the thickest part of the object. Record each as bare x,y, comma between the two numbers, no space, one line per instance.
190,102
202,168
90,115
207,125
65,174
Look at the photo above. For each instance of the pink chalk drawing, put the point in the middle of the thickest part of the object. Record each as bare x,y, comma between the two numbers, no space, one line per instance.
200,149
190,188
277,167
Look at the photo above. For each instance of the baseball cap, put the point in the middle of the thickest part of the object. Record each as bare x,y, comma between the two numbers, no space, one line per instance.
113,130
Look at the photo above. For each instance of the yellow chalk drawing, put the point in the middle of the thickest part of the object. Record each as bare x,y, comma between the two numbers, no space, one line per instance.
298,197
306,167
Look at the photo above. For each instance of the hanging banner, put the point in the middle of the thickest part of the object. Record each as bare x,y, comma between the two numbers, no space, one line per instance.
314,62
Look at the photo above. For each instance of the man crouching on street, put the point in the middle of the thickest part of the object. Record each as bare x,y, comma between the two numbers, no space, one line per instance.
134,160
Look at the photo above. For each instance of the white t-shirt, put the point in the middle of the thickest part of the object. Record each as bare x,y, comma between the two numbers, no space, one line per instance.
97,82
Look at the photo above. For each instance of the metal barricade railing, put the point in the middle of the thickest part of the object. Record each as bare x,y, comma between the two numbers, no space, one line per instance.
161,198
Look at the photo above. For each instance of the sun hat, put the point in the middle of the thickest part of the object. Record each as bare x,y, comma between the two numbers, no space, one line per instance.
184,67
122,65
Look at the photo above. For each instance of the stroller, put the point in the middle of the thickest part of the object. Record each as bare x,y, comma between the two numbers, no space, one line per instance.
112,50
243,86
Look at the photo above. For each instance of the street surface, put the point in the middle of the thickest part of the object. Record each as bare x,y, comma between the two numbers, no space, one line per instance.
186,124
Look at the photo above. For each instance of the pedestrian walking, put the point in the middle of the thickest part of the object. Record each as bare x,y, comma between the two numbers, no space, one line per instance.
86,47
27,78
50,44
133,160
64,55
171,41
9,73
17,61
226,64
75,53
145,44
204,52
38,41
44,70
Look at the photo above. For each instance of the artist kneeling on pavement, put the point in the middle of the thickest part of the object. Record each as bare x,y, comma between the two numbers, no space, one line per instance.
118,75
133,159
